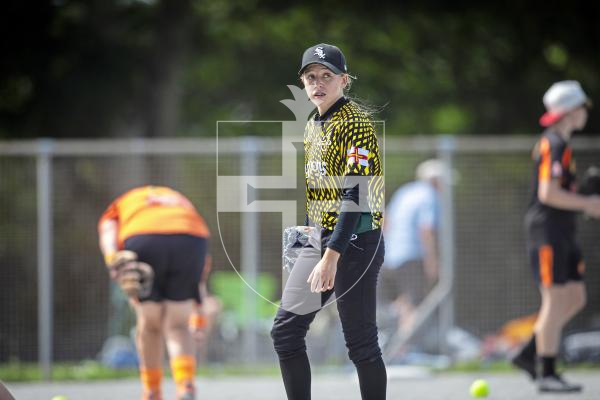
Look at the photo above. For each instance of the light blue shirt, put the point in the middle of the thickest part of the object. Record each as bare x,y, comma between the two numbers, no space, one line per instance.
413,207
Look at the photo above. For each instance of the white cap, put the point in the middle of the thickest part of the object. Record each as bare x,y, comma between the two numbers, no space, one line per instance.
431,169
562,97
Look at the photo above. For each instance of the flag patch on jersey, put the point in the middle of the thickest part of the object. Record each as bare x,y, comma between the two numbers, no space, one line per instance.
358,155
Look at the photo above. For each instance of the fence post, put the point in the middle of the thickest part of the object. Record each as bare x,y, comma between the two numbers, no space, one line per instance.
446,150
250,256
45,254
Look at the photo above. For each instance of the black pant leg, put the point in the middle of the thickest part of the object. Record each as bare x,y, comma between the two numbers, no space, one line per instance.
356,296
295,372
356,293
372,378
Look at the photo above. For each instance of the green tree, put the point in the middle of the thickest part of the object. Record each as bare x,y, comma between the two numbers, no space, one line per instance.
173,67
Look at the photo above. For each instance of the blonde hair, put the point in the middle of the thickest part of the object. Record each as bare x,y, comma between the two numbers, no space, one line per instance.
365,107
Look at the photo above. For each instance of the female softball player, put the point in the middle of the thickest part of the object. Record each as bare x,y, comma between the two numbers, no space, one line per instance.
550,222
344,201
154,243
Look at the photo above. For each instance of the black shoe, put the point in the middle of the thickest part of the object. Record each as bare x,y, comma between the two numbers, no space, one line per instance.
527,364
556,384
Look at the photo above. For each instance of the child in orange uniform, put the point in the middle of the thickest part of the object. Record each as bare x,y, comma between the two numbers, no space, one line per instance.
163,229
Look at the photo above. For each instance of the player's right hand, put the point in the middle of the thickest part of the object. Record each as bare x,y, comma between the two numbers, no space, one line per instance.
322,277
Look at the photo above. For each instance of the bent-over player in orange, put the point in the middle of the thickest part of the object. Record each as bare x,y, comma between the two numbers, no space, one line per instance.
154,243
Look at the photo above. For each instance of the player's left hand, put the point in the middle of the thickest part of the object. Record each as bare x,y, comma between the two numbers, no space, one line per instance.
134,277
322,277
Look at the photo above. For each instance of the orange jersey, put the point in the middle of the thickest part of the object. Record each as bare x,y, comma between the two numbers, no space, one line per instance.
154,210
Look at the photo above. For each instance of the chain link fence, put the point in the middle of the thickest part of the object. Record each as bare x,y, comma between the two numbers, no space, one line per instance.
53,192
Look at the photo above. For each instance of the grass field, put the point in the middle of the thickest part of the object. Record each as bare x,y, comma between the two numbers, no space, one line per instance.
402,384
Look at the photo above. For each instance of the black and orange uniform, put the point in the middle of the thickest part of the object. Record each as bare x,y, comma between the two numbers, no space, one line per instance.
554,253
345,195
165,230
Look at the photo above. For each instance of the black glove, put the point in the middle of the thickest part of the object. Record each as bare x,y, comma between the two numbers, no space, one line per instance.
590,183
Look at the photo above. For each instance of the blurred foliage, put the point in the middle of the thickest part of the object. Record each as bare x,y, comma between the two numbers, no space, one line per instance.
95,68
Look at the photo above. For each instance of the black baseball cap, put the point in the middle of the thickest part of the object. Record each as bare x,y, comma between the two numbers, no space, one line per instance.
327,55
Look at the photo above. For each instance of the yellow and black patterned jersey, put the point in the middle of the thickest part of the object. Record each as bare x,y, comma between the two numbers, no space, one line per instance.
341,146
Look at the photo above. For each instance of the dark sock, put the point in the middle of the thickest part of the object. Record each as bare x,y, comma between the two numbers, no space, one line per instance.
296,377
548,364
373,380
529,349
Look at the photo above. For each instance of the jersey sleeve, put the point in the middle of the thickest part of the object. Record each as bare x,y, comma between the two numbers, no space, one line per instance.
360,148
359,157
551,159
111,213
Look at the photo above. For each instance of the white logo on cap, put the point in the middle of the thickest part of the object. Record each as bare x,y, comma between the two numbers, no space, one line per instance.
319,52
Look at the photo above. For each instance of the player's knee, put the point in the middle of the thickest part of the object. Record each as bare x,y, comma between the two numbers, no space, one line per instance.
177,330
364,353
288,340
176,324
575,298
363,345
149,325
